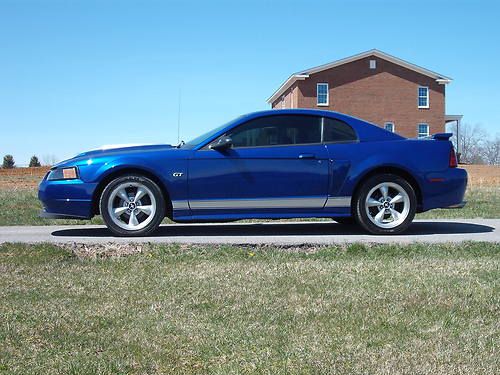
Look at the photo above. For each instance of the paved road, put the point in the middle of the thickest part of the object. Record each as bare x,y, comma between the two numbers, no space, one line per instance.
282,233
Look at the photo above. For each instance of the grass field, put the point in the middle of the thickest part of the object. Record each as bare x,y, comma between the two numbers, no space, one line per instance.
414,309
20,206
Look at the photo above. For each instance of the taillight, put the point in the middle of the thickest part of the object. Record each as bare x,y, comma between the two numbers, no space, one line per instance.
453,158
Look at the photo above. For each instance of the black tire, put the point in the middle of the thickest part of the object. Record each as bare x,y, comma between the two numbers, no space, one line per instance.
360,210
159,205
345,220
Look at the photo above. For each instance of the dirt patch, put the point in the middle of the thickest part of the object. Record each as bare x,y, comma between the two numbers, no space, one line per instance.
483,175
21,178
117,250
106,250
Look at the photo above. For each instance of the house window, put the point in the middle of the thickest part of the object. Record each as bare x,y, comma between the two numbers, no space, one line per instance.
389,126
373,64
423,97
322,94
423,130
283,102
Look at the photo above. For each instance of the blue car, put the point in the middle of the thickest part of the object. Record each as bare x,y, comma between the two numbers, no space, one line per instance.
267,165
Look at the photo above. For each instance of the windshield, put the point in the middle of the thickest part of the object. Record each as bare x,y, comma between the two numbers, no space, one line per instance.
207,135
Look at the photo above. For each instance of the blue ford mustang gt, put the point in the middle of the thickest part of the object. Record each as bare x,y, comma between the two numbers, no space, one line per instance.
265,165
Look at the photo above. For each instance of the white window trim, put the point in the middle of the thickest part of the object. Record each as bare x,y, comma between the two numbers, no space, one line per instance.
373,64
393,126
428,130
428,97
327,94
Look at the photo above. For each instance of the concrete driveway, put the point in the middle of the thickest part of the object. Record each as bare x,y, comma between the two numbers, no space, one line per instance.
280,233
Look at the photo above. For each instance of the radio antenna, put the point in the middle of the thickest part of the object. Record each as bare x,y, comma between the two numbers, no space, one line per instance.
179,119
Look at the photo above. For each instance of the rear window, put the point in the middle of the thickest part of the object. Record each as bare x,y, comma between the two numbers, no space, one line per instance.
337,131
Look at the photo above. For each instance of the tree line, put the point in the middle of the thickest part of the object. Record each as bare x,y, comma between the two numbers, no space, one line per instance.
475,145
9,162
47,160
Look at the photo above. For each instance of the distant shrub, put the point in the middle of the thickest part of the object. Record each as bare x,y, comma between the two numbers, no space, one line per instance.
34,162
8,162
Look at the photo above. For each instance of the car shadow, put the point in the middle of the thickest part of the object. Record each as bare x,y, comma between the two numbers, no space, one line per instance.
282,229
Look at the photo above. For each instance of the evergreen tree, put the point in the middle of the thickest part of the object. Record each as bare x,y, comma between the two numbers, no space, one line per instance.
8,162
34,162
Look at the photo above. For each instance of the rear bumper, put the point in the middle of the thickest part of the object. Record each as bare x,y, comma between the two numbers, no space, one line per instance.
71,199
458,205
445,189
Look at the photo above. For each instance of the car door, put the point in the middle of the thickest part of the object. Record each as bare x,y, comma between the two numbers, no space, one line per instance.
343,149
276,164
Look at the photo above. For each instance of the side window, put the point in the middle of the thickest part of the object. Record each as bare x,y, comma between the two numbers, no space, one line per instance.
278,130
389,126
423,97
337,131
322,94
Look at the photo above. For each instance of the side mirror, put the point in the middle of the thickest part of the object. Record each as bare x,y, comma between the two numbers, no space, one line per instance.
222,144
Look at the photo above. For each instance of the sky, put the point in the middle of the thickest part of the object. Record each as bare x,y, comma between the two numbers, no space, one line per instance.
75,75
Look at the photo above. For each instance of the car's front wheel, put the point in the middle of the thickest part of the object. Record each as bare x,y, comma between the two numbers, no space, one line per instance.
132,205
385,204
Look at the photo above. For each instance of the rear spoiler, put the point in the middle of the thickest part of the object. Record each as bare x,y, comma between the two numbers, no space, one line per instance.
442,136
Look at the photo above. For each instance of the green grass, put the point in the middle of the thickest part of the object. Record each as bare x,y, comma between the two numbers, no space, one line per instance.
21,207
416,309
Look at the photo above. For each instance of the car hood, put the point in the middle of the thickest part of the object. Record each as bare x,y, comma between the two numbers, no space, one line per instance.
118,150
125,148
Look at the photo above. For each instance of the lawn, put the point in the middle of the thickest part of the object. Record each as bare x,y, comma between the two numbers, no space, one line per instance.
416,309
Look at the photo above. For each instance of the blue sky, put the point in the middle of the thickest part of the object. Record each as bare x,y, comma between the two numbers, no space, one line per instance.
75,75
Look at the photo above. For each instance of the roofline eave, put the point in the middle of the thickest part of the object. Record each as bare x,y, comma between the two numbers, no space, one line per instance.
440,79
286,85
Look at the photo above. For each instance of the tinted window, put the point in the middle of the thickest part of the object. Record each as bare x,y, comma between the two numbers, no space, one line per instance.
337,131
278,130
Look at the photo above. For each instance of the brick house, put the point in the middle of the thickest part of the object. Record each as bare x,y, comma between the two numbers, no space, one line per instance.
377,87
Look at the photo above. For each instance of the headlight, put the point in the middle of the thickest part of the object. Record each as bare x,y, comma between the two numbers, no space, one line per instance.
63,174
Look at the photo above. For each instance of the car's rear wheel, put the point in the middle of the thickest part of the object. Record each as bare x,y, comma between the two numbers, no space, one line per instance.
132,205
385,204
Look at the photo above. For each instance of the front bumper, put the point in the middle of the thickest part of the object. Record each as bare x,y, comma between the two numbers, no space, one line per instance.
49,215
66,199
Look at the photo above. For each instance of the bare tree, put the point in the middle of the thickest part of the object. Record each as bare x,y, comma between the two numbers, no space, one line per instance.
49,159
491,150
469,143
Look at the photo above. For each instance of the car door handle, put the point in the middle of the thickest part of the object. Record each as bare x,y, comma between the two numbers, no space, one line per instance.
307,156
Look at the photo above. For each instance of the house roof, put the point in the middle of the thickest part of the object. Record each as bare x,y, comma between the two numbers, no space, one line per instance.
302,75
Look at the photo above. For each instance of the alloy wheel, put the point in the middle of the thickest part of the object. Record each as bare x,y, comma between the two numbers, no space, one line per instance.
131,206
387,205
